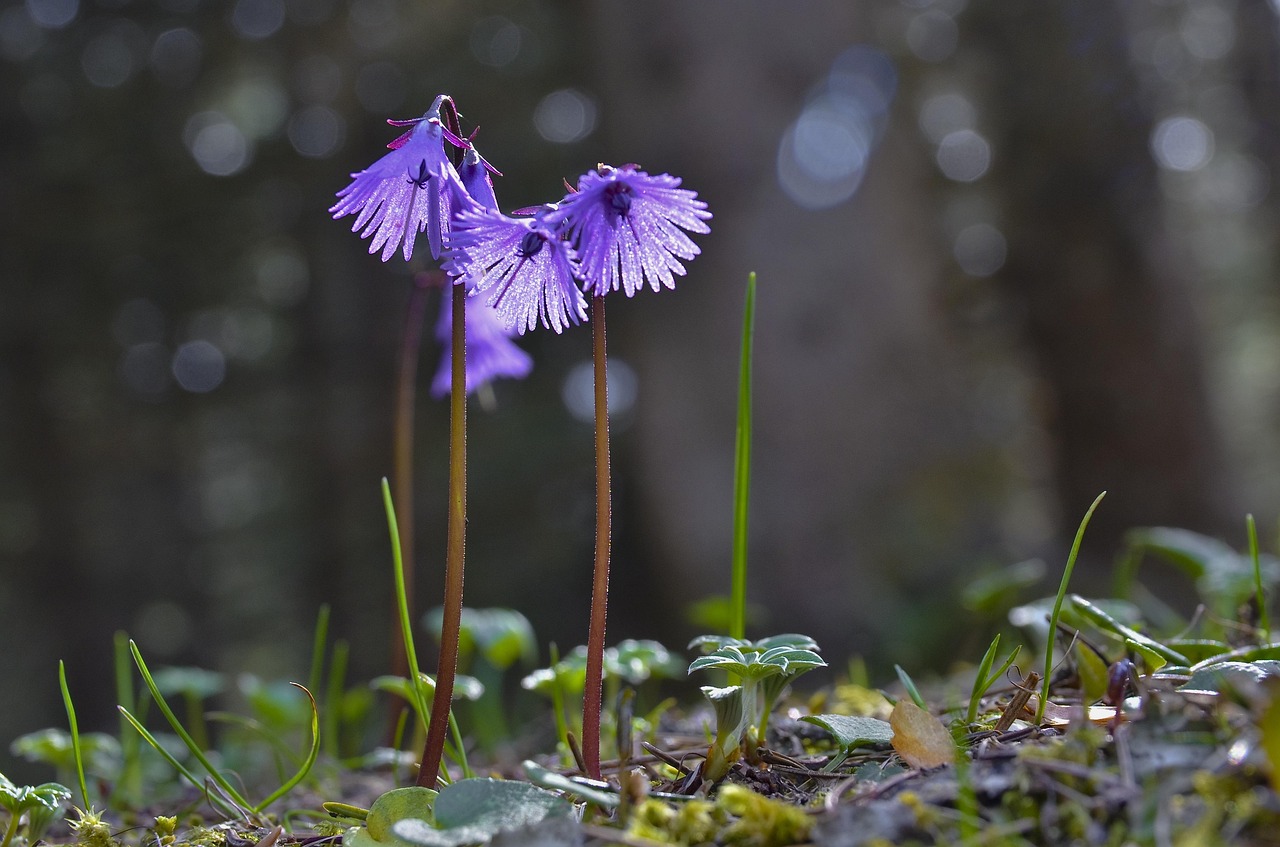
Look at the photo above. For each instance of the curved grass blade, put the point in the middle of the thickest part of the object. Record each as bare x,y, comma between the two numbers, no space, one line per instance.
1264,622
218,778
227,809
1057,607
75,733
402,603
306,765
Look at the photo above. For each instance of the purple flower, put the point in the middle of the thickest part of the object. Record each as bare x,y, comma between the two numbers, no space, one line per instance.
490,351
474,187
404,192
522,268
627,228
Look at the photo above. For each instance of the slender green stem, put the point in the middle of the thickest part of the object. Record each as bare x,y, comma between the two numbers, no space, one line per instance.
451,622
1264,622
593,691
1057,608
129,785
333,700
11,830
74,727
742,470
318,640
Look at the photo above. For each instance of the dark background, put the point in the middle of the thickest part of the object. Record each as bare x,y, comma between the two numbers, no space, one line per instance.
1009,257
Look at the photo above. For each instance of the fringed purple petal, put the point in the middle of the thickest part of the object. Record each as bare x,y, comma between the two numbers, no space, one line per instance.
521,268
400,195
628,224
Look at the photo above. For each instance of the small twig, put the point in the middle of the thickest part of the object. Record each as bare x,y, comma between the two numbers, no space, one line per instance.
665,757
1018,703
572,741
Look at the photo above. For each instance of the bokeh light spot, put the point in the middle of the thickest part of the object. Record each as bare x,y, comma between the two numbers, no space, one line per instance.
942,114
53,14
199,366
1182,143
823,154
257,19
980,249
932,35
138,321
565,116
175,57
144,369
107,60
20,38
963,155
281,273
217,145
495,41
316,131
1208,31
578,390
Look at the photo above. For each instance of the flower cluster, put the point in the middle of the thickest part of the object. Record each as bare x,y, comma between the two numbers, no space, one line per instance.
619,229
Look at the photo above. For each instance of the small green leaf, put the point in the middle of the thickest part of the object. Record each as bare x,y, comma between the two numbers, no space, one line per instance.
472,811
1227,677
1109,624
397,805
1251,653
1093,673
851,732
540,776
189,682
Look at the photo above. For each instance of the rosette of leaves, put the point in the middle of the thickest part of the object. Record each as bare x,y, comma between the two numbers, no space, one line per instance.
764,668
38,806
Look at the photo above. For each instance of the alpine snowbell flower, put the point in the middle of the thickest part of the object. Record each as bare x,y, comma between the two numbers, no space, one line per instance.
524,269
627,227
405,192
490,351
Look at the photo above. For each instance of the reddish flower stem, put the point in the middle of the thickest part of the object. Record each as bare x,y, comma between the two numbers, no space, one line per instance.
593,693
402,458
447,668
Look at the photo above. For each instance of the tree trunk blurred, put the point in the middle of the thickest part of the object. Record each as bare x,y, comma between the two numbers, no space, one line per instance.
1109,319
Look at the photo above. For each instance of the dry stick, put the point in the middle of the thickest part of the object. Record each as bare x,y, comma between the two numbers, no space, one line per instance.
433,751
593,694
402,465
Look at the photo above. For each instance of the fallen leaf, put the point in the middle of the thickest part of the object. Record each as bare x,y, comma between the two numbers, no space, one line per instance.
919,737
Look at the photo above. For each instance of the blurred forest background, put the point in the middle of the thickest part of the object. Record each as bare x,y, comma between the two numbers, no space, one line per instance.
1010,255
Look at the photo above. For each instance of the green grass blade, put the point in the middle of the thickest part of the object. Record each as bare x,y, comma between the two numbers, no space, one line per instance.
129,787
318,641
1057,607
306,765
1264,622
182,733
742,470
402,604
226,808
909,684
333,699
74,727
980,681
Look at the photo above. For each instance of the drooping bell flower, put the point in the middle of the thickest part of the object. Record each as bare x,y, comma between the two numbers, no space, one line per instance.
405,192
490,351
523,268
627,227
